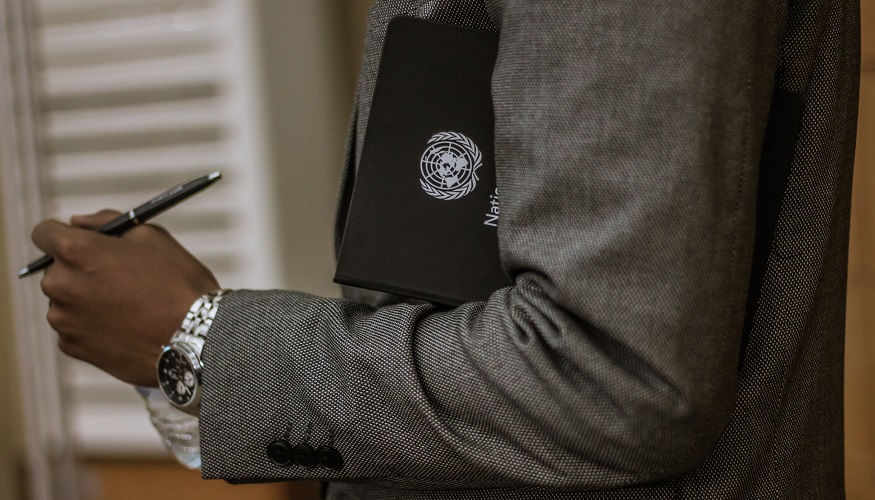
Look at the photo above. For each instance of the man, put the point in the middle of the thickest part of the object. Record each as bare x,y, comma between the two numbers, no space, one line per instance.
629,138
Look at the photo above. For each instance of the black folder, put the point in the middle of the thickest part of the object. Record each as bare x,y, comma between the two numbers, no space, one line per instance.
424,212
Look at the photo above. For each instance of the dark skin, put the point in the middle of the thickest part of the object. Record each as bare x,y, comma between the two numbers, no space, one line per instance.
115,301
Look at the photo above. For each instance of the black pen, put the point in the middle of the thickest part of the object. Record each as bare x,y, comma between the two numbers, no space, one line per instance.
138,215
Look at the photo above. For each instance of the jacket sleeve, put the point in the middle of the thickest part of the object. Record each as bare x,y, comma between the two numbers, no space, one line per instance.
628,137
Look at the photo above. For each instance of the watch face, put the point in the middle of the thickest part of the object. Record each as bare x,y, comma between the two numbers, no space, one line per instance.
178,376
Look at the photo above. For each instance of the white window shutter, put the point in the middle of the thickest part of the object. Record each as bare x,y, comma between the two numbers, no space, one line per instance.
139,96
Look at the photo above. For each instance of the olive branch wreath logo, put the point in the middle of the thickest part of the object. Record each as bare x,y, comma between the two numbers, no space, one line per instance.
449,166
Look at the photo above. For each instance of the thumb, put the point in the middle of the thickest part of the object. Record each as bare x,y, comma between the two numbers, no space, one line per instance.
95,220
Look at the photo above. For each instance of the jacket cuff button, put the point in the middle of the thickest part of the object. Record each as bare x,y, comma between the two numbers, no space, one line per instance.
304,456
329,458
280,452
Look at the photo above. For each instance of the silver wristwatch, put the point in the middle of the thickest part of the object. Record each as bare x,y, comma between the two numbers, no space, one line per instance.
180,365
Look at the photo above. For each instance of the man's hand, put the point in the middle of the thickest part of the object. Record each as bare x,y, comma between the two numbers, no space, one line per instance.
114,301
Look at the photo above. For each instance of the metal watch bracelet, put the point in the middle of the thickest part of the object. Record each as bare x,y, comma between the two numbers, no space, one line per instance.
198,320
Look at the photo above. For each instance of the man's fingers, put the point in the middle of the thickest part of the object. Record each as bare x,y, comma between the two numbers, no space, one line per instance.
95,220
145,232
72,245
52,237
55,289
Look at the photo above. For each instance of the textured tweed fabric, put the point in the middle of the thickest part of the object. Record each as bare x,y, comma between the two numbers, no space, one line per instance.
628,141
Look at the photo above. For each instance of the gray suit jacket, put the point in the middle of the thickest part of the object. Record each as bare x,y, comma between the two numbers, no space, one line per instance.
619,365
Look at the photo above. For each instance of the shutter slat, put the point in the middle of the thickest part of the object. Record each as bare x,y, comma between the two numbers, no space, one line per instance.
178,28
213,200
133,76
188,159
188,114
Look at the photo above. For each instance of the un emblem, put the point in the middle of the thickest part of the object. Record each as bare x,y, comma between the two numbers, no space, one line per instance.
449,166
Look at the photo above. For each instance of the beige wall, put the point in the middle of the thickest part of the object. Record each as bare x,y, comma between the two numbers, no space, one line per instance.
306,98
310,52
860,346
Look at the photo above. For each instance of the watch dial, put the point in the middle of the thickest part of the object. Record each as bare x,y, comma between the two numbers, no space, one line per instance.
176,376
